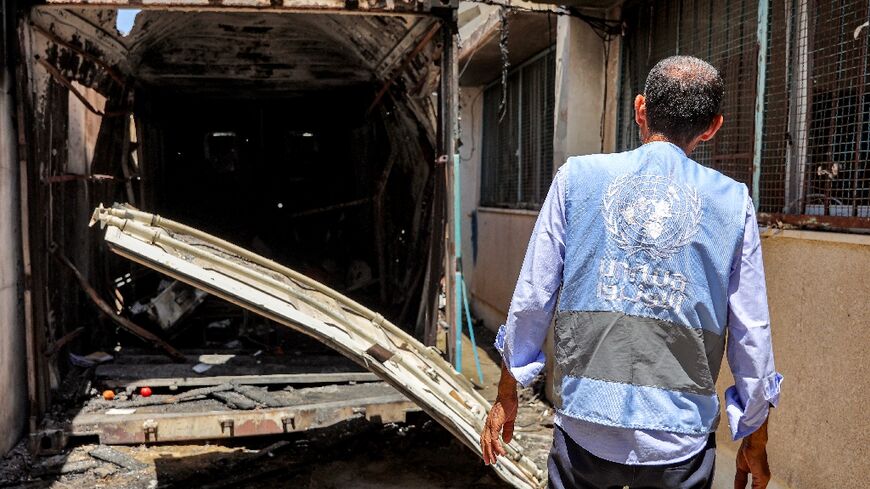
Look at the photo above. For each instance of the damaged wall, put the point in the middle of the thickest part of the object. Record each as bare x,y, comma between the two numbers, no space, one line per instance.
12,358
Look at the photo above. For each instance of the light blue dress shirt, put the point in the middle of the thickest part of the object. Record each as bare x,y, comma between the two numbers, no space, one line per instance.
750,355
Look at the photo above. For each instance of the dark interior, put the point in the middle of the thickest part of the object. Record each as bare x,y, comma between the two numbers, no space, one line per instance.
306,138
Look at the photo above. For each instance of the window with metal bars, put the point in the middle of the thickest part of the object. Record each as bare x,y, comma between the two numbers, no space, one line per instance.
814,165
517,149
813,148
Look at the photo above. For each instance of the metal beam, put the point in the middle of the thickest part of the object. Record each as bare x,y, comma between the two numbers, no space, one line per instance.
760,86
118,382
395,7
139,428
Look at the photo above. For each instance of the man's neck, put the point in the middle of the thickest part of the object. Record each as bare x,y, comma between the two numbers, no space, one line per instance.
662,138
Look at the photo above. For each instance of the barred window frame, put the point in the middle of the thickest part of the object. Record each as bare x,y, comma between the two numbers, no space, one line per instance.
798,166
517,149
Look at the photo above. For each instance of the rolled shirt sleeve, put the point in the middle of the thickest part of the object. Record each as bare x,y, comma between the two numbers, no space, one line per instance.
520,340
750,351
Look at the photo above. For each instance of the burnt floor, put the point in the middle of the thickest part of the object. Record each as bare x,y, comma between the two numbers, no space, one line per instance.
355,454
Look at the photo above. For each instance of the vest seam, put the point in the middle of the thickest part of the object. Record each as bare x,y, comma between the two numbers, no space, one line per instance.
605,422
712,392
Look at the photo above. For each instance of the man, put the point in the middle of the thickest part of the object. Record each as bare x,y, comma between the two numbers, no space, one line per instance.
651,257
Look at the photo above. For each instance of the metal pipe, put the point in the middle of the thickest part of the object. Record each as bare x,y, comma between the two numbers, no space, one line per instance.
471,331
457,253
760,86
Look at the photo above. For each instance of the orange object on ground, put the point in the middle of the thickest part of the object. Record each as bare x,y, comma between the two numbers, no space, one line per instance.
108,395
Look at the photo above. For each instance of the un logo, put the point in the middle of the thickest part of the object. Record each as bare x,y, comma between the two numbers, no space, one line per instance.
651,214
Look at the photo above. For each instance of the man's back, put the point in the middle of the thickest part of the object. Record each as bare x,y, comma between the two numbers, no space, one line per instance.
651,238
650,257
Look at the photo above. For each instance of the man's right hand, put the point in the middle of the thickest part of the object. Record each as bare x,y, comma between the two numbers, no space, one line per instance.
752,459
500,420
499,424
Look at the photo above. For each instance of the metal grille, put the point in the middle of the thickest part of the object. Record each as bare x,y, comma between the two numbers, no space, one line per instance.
720,32
517,149
815,118
817,144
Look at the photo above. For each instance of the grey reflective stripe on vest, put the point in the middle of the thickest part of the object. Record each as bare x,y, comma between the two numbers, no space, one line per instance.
641,351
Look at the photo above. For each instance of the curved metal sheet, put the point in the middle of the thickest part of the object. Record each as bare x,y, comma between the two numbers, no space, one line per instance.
292,299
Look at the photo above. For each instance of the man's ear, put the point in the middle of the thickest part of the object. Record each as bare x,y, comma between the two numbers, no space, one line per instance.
640,110
711,131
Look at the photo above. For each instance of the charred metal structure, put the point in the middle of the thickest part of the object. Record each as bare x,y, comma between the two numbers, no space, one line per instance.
314,132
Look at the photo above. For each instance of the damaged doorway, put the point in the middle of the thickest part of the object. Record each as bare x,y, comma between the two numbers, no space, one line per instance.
311,138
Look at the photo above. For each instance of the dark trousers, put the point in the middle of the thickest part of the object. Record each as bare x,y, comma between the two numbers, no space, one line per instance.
572,467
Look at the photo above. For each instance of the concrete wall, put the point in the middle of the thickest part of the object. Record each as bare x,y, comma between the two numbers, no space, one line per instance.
494,240
819,296
580,84
13,386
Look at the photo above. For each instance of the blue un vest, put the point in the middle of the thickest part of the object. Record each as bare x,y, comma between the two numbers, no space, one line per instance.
640,328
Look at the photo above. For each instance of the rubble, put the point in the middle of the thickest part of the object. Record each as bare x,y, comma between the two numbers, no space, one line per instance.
172,303
234,400
109,454
353,455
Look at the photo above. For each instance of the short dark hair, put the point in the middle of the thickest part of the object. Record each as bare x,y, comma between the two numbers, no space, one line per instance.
683,95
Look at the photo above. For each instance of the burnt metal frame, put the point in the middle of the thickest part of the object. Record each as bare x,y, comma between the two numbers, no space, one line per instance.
34,256
139,428
395,7
296,301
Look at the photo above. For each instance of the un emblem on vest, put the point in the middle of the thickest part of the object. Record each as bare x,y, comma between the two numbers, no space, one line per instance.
651,214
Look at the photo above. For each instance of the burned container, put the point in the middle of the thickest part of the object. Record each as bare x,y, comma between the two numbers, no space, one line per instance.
314,133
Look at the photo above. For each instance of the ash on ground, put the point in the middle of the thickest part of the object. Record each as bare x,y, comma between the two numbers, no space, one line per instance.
353,455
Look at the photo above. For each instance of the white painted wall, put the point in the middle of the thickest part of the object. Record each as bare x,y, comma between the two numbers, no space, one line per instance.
13,386
580,82
500,236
